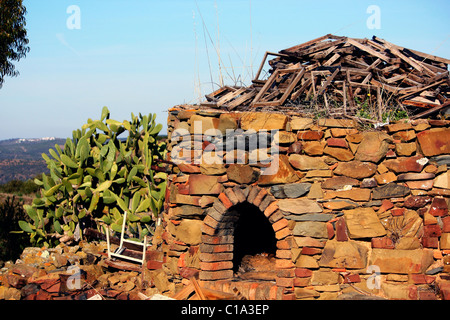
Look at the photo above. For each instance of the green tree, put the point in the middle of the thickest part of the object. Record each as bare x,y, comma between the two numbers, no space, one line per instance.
13,37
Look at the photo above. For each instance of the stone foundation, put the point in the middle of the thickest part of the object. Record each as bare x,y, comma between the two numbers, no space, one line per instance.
351,211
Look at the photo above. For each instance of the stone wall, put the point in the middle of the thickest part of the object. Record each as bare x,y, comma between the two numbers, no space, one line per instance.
354,210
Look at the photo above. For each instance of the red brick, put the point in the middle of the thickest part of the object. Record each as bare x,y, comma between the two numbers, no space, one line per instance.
446,224
398,212
216,275
280,224
385,205
252,291
352,278
418,278
427,295
283,264
444,288
302,282
283,244
382,243
212,266
430,242
188,273
311,251
432,230
271,209
211,222
438,207
273,292
288,296
154,265
330,230
285,282
283,254
226,202
283,233
412,294
341,230
211,257
286,273
303,273
258,199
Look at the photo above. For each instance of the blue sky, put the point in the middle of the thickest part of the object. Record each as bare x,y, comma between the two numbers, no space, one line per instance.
147,56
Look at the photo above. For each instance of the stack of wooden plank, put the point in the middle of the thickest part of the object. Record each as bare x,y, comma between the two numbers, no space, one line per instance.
339,76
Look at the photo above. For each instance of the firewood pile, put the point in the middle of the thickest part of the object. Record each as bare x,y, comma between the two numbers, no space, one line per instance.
342,77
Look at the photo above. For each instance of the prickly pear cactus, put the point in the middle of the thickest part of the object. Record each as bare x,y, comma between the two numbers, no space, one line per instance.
107,168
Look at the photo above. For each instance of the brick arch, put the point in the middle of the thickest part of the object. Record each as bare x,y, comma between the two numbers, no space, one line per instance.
216,258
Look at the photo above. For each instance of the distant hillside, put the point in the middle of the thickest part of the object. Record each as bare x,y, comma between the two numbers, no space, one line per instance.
21,159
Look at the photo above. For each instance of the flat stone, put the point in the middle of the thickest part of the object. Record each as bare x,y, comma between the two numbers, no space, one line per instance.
405,149
292,190
443,181
386,177
402,261
363,223
337,142
356,169
263,121
435,141
298,123
420,184
440,160
406,164
308,242
304,162
344,254
369,183
340,154
354,137
313,229
314,148
227,122
415,176
187,231
212,169
342,132
201,125
284,137
399,126
339,182
319,173
415,202
438,207
339,204
309,135
405,136
373,146
353,194
390,190
185,211
337,123
319,217
241,173
445,241
295,148
299,206
279,171
202,184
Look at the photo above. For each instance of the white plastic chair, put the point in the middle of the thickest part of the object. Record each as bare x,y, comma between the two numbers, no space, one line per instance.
121,249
